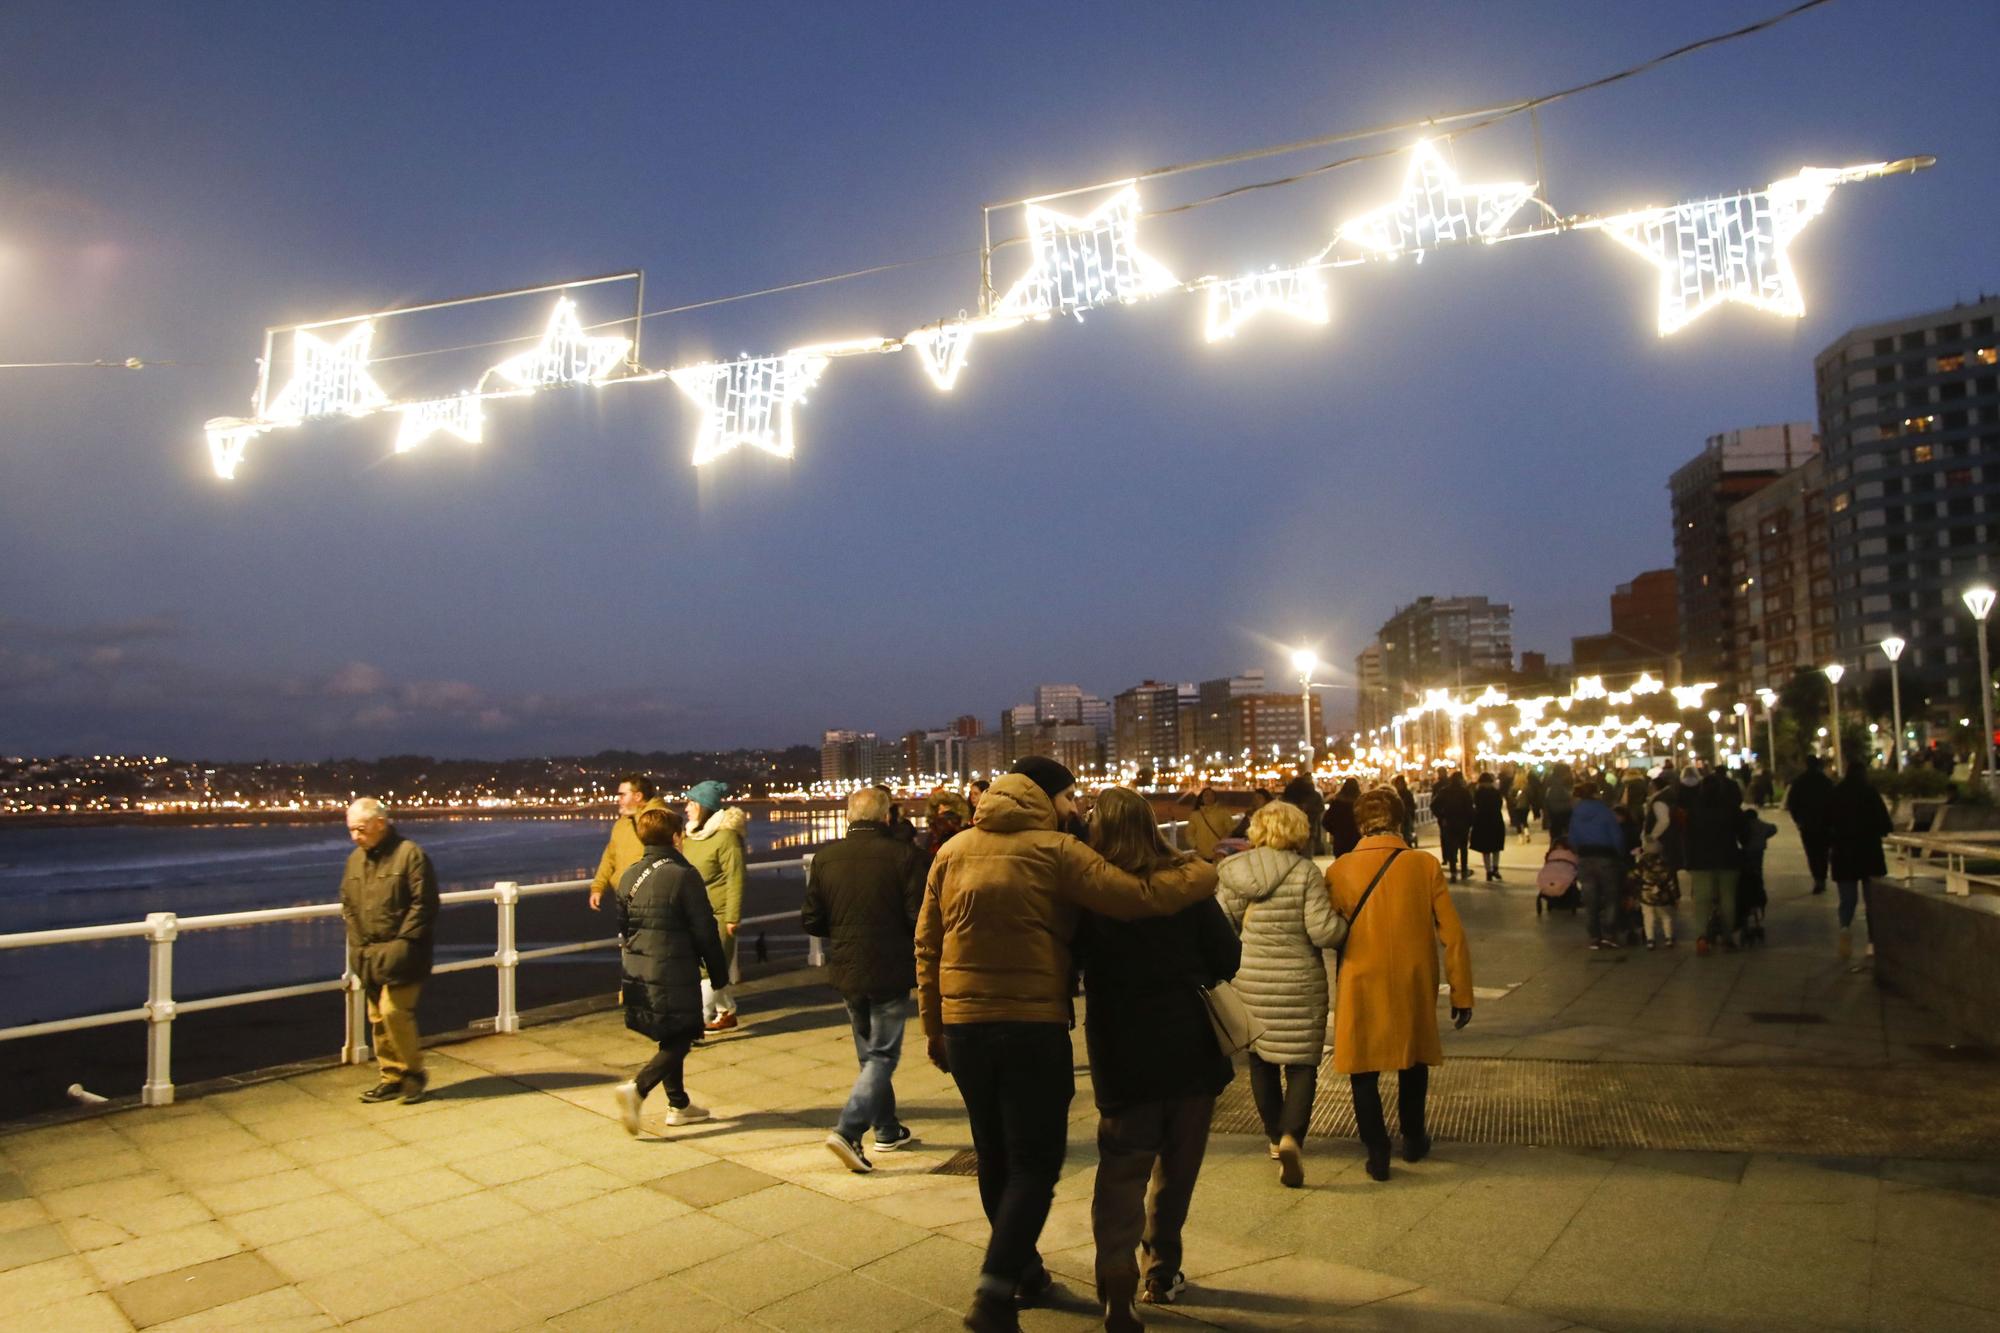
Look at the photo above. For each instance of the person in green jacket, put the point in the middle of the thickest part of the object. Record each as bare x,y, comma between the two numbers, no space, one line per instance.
714,846
389,902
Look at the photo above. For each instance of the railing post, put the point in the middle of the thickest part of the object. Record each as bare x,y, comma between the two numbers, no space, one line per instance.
506,957
161,928
815,946
357,1049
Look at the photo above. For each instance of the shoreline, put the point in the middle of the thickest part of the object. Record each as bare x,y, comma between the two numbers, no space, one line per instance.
602,811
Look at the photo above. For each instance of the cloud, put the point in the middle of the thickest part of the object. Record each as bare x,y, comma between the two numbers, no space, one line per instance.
354,680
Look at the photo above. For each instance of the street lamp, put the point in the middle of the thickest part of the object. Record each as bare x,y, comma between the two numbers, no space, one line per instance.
1833,675
1715,736
1979,601
1304,660
1892,648
1770,700
1742,711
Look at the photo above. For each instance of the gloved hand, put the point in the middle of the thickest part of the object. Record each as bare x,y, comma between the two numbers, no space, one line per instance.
1460,1017
936,1050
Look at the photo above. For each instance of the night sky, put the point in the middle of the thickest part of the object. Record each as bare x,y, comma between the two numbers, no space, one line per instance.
1097,502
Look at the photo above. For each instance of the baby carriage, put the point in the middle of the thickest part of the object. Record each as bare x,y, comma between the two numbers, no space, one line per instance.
1555,882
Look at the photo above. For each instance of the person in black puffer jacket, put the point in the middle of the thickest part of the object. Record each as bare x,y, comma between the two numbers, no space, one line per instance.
1715,857
863,896
1155,1064
667,934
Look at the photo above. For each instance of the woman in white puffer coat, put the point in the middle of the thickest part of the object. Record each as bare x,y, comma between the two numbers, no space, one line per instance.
1277,900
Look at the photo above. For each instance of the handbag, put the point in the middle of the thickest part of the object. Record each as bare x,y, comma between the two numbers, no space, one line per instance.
1236,1028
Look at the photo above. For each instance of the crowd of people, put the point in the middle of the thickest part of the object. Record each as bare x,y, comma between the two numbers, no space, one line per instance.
1019,896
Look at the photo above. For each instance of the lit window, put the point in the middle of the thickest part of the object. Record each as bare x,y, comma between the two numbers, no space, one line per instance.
1988,356
1922,453
1956,361
1918,423
1841,501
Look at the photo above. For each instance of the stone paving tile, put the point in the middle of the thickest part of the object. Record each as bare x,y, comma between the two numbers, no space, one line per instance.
847,1302
322,1253
162,1253
188,1291
561,1187
16,1214
859,1238
245,1196
335,1145
662,1303
45,1283
280,1310
79,1314
719,1182
939,1270
85,1169
299,1217
514,1245
781,1208
384,1283
478,1306
620,1213
555,1286
32,1245
754,1276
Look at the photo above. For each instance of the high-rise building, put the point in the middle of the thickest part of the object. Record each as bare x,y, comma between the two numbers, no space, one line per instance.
1269,725
1373,706
1781,579
1211,734
1058,703
1015,723
1645,630
1145,725
1445,641
1910,412
1095,713
1730,466
850,756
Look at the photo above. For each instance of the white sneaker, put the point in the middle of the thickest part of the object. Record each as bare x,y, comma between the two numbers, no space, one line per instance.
686,1115
627,1097
849,1152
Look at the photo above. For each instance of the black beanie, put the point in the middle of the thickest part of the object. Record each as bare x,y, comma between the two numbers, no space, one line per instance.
1045,773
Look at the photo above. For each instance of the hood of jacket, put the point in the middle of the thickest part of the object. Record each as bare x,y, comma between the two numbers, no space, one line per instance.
1014,804
1256,874
732,819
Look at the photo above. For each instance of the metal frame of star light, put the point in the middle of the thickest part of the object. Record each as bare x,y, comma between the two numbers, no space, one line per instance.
1730,248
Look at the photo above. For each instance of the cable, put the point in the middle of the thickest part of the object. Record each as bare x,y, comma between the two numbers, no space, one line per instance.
102,363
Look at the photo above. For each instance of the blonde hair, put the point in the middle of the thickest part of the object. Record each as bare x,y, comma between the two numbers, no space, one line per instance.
1282,825
869,803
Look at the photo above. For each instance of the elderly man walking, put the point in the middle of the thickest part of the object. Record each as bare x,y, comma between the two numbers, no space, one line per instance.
1001,907
389,900
714,846
862,898
623,849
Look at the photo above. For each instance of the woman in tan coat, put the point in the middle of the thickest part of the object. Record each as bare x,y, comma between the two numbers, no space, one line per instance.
1385,1016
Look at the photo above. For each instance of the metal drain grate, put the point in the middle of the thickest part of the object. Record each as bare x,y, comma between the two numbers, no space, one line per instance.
1905,1112
964,1162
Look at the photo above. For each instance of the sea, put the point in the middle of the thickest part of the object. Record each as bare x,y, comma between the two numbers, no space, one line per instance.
57,877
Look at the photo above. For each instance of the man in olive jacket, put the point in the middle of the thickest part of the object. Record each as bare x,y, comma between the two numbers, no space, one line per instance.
389,900
994,979
862,896
623,848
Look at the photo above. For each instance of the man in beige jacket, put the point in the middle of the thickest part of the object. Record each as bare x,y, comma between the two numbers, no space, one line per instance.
994,980
623,849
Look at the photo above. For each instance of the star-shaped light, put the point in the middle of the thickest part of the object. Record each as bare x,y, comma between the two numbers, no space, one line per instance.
460,415
328,379
1434,209
1728,249
941,348
565,355
1081,262
228,437
1298,292
748,401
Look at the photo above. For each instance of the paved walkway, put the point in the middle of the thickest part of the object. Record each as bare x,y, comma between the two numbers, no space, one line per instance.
511,1198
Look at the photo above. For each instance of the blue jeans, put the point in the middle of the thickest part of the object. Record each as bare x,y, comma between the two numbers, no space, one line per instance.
878,1045
1850,898
1602,879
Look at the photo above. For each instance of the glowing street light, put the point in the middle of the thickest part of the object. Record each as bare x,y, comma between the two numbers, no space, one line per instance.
1305,661
1979,601
1833,675
1715,736
1892,648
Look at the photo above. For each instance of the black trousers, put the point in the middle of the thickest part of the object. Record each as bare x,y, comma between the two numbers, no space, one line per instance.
1455,840
1816,852
1284,1096
1413,1085
666,1068
1017,1080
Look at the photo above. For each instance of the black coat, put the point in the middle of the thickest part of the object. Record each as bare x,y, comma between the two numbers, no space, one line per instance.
1451,805
862,897
1715,826
1810,801
1858,821
1489,819
1341,830
1146,1026
667,934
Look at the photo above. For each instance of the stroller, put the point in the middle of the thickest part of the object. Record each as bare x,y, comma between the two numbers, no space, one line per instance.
1555,882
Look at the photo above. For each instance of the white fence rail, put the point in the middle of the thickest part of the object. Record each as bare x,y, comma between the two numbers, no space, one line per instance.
161,929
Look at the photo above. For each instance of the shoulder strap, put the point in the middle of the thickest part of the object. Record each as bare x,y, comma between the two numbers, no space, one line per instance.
1370,890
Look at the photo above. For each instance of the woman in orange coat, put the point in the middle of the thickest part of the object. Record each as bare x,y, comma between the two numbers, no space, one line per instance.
1385,1014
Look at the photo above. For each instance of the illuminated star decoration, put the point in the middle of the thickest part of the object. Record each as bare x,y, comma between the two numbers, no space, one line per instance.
1083,262
328,379
1729,249
1297,292
565,355
459,415
228,437
941,348
1434,209
748,401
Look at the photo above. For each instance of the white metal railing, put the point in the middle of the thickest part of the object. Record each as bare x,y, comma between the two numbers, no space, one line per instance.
161,929
1955,849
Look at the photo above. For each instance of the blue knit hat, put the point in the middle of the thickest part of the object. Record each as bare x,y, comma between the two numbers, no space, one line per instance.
708,795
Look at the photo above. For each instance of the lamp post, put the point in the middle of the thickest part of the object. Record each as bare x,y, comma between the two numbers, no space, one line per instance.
1833,675
1304,660
1979,601
1770,700
1715,737
1892,648
1742,711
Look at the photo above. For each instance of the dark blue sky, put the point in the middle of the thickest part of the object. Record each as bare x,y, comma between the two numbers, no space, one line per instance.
1097,502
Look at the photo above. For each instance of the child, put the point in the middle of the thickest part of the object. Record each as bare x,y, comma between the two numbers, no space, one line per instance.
1750,896
1557,878
1659,891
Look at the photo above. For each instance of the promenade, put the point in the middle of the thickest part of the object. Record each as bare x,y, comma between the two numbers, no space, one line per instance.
511,1198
